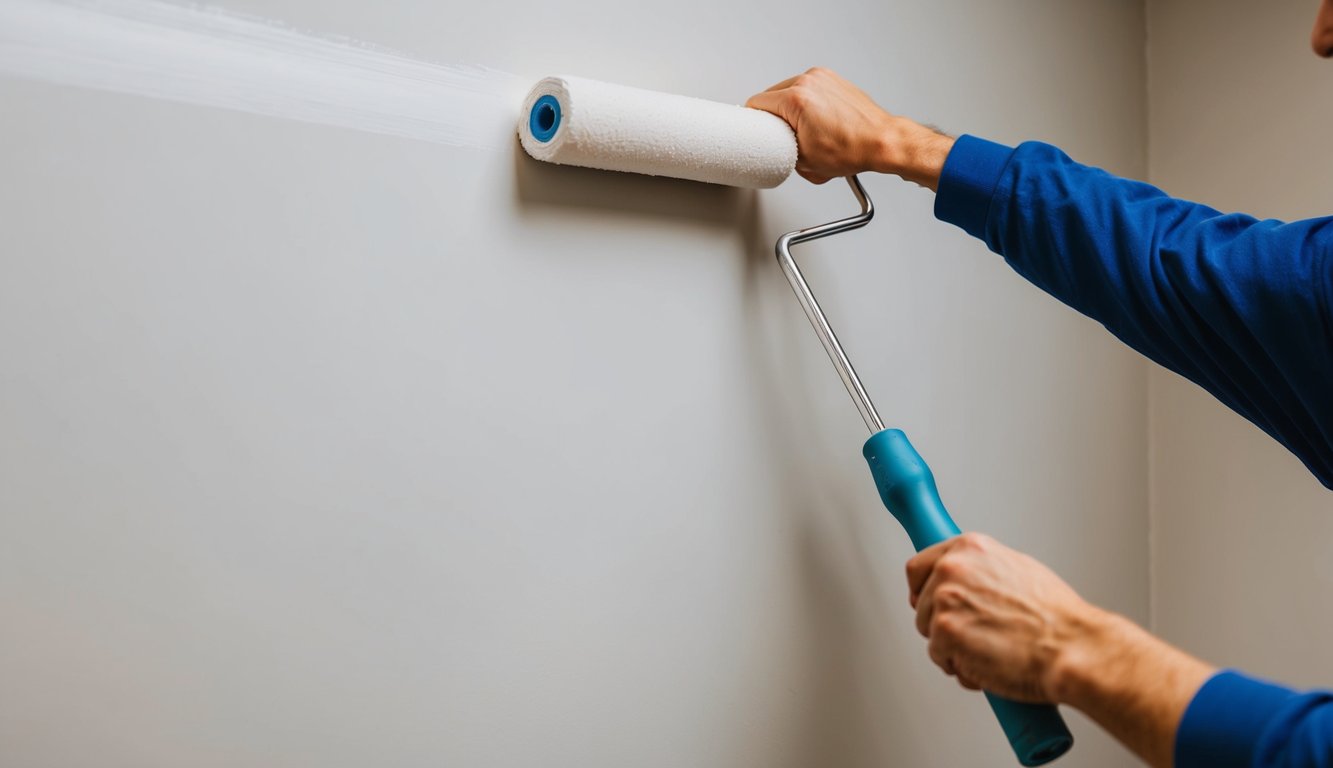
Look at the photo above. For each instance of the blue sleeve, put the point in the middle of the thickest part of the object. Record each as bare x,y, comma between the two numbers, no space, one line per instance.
1236,721
1240,306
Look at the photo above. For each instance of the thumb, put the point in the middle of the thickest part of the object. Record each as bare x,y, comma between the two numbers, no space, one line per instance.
774,102
811,177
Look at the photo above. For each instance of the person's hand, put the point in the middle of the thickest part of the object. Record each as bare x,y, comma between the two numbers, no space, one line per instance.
840,131
1000,621
996,618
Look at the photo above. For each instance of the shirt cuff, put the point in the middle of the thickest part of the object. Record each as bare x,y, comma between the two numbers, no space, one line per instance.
968,181
1225,720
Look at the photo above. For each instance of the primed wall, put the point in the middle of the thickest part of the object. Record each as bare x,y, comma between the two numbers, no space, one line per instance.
321,448
1239,110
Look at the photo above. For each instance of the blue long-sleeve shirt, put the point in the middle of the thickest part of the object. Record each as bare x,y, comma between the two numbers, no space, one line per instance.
1240,306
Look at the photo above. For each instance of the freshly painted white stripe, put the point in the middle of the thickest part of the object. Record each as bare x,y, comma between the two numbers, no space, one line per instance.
211,57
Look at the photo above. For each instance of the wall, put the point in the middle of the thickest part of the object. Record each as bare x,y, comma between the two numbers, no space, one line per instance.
1239,109
326,448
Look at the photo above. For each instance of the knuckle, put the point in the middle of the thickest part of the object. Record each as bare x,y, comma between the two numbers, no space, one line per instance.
945,628
938,653
975,541
949,597
950,568
915,577
942,658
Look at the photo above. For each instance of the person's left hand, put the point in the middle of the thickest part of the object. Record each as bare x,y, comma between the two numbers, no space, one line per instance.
997,619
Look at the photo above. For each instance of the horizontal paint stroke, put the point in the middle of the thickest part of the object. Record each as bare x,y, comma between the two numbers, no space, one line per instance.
215,58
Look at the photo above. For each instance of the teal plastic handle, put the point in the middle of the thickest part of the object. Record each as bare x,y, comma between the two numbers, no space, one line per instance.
906,485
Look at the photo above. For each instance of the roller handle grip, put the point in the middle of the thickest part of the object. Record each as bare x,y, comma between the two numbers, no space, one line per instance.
906,485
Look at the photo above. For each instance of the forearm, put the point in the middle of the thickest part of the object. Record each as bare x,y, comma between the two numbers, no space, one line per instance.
1002,621
1238,305
1132,684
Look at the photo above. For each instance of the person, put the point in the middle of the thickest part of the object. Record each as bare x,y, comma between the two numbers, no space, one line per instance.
1242,307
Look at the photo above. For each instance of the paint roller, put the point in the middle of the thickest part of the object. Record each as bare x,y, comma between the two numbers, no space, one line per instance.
575,121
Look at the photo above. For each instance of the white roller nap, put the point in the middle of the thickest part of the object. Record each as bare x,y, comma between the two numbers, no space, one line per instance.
618,128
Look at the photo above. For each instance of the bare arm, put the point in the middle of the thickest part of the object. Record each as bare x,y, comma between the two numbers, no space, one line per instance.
995,618
999,620
841,131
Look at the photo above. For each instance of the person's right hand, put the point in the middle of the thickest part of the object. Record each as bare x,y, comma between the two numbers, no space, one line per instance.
999,620
841,131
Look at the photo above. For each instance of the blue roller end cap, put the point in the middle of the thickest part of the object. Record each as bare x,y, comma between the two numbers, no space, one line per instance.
544,120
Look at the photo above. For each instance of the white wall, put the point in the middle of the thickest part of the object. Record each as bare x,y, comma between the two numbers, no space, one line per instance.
1239,114
321,448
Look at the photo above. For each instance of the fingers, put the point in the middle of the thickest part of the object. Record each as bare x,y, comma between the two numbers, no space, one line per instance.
986,611
781,98
920,567
967,682
776,99
925,607
839,130
810,176
923,577
942,657
769,101
813,72
940,596
784,84
938,578
945,646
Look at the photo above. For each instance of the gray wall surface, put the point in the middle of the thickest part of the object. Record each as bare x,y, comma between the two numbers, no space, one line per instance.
1242,532
322,448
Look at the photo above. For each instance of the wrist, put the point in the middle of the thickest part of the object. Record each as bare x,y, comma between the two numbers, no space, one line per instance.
1131,683
1088,653
913,151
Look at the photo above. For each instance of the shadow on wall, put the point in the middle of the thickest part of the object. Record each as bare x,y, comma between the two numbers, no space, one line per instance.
838,643
544,185
844,696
